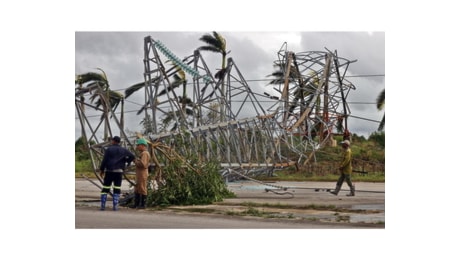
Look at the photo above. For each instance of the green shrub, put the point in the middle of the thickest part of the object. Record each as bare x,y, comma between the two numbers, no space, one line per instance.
185,186
83,166
378,137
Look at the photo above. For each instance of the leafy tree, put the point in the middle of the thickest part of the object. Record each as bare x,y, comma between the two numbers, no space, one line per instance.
81,151
378,137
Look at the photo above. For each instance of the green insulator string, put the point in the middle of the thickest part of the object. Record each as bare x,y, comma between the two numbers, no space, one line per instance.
189,70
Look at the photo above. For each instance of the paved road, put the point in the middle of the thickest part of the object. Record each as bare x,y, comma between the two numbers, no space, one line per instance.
89,217
369,196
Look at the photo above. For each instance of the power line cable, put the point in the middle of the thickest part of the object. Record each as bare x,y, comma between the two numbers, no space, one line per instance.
265,80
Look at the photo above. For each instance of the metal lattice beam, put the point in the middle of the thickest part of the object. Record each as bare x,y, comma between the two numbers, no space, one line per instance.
224,119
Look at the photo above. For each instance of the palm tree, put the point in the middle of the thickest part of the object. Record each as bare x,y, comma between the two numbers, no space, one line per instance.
184,101
179,79
302,95
216,43
99,81
380,106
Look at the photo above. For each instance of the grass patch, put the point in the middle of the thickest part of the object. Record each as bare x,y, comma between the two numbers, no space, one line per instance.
199,210
254,212
83,166
286,206
342,218
290,175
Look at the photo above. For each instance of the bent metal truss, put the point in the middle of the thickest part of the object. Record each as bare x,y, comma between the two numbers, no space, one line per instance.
225,118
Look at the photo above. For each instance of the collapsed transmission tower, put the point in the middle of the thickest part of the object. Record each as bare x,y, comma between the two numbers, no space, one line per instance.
222,118
310,109
312,105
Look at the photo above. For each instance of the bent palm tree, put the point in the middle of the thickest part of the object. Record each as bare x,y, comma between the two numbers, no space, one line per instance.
302,96
217,43
178,79
100,80
184,102
107,98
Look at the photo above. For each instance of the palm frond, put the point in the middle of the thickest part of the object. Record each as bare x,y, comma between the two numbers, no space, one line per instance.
189,112
181,73
163,92
178,78
142,109
103,74
382,123
276,82
216,43
209,48
115,95
220,74
174,127
133,89
210,40
277,74
90,76
185,100
178,81
271,97
381,100
221,40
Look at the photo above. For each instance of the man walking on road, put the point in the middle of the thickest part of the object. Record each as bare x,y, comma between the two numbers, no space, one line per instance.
345,170
116,158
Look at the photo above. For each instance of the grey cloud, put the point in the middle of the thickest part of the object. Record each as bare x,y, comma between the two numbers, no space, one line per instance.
367,49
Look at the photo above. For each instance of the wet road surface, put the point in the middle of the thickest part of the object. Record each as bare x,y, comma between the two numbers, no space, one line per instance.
300,205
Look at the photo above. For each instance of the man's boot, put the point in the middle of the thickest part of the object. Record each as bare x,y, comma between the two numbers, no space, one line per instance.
142,202
136,200
336,191
103,200
352,191
116,198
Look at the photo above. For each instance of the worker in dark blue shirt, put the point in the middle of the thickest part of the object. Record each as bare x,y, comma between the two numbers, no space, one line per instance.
116,158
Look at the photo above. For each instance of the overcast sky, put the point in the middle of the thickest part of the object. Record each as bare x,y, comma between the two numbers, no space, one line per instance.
120,55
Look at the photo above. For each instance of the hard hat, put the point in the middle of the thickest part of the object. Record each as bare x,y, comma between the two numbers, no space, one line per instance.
142,141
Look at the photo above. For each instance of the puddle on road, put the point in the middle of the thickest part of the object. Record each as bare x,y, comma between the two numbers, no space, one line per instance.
369,207
367,218
258,187
241,186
